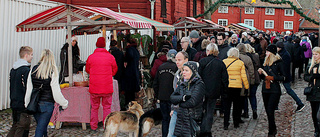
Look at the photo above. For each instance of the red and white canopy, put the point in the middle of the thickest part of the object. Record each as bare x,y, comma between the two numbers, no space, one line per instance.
56,18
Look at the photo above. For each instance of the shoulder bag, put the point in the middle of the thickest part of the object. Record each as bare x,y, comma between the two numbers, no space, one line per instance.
34,99
307,90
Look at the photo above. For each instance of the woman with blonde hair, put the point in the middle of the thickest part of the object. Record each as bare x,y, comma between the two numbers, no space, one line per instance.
237,79
273,73
312,75
45,76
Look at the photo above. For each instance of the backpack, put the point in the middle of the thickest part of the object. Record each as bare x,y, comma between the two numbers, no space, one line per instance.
304,47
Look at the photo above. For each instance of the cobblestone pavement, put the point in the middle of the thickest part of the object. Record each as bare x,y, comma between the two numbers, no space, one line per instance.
288,122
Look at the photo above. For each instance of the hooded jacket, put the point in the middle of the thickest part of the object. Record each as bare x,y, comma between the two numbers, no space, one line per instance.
18,83
101,66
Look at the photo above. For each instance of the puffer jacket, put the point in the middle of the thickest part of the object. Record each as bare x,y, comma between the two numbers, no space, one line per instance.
191,108
237,73
308,53
311,77
277,71
101,66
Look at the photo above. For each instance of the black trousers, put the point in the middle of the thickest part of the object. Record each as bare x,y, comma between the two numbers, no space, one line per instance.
314,112
21,124
129,96
271,101
207,120
233,96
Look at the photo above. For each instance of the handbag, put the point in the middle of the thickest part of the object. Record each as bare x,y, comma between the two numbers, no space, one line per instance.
34,99
307,90
282,88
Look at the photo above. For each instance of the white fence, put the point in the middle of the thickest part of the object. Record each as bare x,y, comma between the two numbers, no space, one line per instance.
13,12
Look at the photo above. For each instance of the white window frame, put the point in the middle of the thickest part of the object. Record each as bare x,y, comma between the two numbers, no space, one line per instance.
249,20
288,14
245,10
223,9
226,20
287,26
268,13
267,27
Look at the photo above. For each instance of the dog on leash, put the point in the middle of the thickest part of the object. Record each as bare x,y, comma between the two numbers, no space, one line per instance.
124,121
148,120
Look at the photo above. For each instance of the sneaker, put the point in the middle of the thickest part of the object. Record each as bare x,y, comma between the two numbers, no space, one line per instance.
300,108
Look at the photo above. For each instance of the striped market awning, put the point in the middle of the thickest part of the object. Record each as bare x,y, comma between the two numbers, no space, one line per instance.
56,18
158,25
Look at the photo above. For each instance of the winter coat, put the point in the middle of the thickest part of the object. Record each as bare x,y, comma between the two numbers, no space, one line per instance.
131,80
237,73
64,60
257,48
163,81
286,64
119,57
191,52
277,71
50,91
256,65
264,45
199,55
308,53
191,108
223,49
101,66
197,44
289,47
233,44
156,65
215,76
247,63
298,55
18,84
310,78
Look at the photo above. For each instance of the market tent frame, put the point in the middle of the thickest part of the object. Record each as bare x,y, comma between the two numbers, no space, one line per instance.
214,25
247,26
188,23
71,15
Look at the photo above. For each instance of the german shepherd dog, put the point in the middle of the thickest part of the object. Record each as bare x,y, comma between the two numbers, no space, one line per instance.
124,121
148,120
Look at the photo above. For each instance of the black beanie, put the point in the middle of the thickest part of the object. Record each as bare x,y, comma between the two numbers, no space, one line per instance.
193,66
280,45
272,48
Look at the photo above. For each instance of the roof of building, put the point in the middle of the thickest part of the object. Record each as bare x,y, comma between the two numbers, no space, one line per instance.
259,3
312,13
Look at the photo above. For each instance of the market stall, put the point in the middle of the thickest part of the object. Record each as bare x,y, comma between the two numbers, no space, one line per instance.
214,26
234,26
188,23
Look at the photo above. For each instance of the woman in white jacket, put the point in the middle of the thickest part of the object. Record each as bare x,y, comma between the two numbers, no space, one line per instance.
45,75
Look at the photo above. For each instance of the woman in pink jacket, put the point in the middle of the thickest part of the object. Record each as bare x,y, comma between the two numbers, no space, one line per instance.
101,66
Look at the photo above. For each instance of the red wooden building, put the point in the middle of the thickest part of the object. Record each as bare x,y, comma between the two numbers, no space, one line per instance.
261,15
167,11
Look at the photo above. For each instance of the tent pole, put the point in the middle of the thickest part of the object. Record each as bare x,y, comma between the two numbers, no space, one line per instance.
69,48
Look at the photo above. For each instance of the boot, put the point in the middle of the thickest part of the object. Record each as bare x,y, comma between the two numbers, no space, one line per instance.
245,115
254,114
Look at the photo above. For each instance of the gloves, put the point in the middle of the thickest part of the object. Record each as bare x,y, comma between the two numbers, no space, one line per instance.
268,79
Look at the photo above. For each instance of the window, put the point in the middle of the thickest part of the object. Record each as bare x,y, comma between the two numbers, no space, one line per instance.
269,24
270,11
223,22
288,24
249,10
223,9
163,8
249,22
288,12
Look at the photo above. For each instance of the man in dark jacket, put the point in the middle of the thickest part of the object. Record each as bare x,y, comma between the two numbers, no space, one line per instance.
163,88
289,46
286,61
215,76
223,47
196,40
185,45
18,82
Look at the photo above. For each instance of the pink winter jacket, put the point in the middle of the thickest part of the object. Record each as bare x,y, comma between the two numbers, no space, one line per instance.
101,66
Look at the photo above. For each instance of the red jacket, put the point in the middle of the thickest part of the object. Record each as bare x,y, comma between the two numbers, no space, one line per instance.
101,66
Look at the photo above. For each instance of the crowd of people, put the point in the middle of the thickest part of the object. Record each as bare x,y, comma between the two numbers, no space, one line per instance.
189,79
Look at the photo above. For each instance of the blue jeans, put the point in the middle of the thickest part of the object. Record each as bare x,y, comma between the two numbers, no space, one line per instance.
43,118
165,107
172,124
292,93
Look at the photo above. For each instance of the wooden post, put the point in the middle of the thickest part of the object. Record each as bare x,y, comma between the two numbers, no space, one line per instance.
70,67
115,35
104,29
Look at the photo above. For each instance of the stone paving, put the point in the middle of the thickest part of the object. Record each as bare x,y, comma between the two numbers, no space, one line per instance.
288,122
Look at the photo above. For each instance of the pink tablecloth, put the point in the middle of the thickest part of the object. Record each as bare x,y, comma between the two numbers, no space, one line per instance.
79,105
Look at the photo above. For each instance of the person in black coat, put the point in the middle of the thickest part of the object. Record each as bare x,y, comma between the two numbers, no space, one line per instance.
185,45
163,88
189,95
18,82
215,76
272,73
312,76
289,46
131,79
255,43
297,59
222,46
